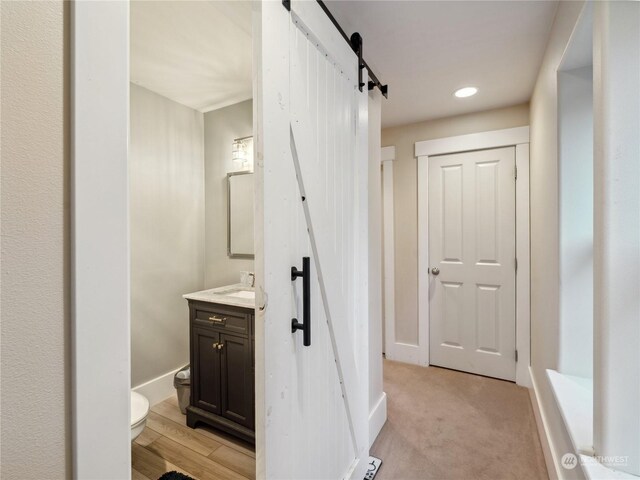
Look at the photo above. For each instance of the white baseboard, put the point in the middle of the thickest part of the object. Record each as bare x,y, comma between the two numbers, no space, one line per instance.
158,389
546,441
405,353
377,418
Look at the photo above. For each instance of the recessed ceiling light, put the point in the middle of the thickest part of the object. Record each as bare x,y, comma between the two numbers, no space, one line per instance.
465,92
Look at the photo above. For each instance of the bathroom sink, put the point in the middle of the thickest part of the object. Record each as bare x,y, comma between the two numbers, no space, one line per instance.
246,294
238,294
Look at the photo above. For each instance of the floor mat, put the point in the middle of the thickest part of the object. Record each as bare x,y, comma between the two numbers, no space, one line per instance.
373,468
175,476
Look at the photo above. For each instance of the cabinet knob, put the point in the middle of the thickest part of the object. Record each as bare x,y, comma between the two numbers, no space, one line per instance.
216,345
220,345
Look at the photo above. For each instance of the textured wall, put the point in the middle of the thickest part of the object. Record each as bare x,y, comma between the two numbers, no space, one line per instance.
405,171
35,380
221,127
166,175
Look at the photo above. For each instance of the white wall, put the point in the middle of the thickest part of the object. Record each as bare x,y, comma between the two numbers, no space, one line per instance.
545,245
616,67
35,297
575,110
221,128
406,198
179,159
166,184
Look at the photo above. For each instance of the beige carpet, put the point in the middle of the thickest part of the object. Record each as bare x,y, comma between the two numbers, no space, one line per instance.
444,424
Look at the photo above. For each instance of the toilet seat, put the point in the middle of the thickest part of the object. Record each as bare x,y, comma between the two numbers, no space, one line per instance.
139,408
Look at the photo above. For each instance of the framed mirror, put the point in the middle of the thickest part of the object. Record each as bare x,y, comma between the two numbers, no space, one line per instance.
240,241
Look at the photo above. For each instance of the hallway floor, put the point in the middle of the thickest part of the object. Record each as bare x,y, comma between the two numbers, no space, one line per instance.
448,425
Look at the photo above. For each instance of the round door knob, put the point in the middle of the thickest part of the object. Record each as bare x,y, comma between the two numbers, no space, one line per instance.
435,270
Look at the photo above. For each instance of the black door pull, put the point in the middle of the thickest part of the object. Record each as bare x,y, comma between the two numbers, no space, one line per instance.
305,326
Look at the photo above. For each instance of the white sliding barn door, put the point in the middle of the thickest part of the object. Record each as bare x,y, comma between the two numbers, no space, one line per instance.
311,194
472,262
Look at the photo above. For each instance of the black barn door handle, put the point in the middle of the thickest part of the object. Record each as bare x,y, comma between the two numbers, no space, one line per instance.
305,326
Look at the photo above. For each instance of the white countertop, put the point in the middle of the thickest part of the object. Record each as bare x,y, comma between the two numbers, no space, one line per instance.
236,295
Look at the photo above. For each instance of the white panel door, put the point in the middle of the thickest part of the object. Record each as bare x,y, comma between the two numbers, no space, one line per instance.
472,262
312,202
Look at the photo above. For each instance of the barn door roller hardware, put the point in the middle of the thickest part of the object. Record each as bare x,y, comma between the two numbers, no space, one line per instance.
355,42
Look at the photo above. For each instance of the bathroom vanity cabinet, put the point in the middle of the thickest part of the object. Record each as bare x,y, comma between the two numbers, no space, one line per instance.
222,368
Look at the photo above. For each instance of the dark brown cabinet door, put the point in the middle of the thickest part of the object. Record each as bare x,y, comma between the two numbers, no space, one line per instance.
205,365
237,380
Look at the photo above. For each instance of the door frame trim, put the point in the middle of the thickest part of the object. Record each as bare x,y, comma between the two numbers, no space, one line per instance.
512,137
393,351
100,334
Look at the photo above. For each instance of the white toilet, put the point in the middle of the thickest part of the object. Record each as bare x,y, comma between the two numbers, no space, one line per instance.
139,413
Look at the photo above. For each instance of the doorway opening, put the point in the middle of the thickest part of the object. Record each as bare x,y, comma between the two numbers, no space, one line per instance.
191,207
295,226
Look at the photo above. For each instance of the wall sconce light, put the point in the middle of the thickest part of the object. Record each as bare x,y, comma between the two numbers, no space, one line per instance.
242,154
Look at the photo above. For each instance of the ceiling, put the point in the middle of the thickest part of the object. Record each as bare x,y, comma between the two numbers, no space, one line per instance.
194,52
198,53
426,50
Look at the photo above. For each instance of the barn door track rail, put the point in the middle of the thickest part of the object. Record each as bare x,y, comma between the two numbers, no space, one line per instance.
355,42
